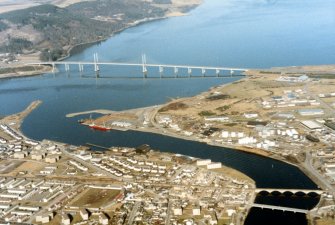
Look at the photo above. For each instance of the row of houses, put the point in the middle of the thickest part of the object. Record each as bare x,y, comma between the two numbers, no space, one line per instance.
11,132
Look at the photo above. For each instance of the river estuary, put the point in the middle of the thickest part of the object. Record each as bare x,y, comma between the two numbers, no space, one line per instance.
243,33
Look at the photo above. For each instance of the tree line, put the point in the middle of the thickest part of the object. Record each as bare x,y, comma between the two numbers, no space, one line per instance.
63,28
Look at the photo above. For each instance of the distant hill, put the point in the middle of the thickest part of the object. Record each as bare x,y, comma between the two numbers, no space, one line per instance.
49,28
52,30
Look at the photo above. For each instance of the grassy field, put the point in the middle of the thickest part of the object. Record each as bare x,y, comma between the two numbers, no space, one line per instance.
325,221
94,197
233,173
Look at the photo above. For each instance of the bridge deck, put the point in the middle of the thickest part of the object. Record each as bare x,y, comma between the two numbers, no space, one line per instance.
138,64
282,208
306,191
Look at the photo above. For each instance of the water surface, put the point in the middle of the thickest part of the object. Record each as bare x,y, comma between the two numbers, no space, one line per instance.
236,33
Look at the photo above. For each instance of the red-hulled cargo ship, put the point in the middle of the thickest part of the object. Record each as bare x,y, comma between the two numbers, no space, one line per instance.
98,127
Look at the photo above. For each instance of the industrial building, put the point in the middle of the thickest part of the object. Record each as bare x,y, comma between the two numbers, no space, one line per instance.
311,112
310,124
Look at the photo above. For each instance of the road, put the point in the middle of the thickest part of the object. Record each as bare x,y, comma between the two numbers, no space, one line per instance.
138,65
133,212
308,165
331,110
168,213
282,208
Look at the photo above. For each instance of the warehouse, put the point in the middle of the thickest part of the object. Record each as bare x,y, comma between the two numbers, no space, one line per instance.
310,124
310,112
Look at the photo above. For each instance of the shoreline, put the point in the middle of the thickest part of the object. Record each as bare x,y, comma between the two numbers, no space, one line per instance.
21,74
18,118
146,20
128,26
35,104
291,160
72,48
155,130
114,182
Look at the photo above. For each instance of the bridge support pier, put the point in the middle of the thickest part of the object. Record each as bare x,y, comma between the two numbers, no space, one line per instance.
145,73
231,72
161,70
203,72
53,67
96,66
189,71
175,70
67,67
144,67
217,71
81,67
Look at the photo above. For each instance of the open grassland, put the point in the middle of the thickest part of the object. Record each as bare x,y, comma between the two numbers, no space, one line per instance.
325,221
95,198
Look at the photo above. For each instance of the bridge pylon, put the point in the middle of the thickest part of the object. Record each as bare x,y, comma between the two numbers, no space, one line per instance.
81,67
96,61
175,70
144,67
67,67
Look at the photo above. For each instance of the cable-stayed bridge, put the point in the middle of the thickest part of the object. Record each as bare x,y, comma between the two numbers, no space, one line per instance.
144,67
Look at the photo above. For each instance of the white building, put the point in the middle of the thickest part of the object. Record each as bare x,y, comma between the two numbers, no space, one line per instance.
177,211
38,155
250,115
215,165
66,219
103,219
311,112
225,134
20,155
52,158
310,124
217,118
84,214
43,218
203,162
196,211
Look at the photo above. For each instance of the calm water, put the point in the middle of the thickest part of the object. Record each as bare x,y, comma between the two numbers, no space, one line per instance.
239,33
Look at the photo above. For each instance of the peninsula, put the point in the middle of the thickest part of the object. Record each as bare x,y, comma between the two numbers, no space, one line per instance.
283,113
